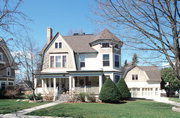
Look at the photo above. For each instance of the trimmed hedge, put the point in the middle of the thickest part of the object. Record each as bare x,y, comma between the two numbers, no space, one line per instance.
109,92
123,89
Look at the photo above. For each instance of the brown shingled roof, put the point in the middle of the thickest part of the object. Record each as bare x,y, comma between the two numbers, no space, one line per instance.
152,72
80,43
106,34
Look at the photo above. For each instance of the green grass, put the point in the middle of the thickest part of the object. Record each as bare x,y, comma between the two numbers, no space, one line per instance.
10,105
131,109
175,99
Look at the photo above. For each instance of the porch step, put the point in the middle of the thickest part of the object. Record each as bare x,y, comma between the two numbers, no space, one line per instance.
63,97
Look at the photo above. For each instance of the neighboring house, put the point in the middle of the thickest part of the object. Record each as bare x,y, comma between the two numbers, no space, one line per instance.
7,66
79,63
143,81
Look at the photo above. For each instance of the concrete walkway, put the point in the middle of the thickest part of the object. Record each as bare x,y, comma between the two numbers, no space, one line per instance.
21,114
167,101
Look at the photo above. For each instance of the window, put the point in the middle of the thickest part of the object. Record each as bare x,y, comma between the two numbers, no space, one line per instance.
117,61
10,83
82,61
58,61
105,45
3,85
64,62
8,71
58,45
135,77
52,61
1,56
105,59
116,78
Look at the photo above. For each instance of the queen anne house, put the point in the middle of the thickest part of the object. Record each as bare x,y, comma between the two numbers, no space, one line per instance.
79,63
7,66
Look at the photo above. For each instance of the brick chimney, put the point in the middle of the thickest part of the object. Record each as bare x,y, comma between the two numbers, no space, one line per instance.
49,34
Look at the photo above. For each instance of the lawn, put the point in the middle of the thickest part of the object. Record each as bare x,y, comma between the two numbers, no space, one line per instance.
175,99
10,105
131,109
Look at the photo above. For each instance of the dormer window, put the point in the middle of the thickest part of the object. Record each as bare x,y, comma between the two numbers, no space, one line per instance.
105,45
58,45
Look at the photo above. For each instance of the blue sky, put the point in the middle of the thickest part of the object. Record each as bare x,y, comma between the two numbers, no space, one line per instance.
63,16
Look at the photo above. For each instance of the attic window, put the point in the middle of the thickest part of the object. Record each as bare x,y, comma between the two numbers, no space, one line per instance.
135,77
8,71
58,45
105,45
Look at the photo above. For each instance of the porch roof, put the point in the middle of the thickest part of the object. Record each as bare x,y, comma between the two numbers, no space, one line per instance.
86,73
52,75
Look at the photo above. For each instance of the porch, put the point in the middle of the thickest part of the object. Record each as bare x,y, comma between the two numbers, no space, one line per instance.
74,83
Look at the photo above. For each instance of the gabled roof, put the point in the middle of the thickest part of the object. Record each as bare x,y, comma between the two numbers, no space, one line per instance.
152,72
80,43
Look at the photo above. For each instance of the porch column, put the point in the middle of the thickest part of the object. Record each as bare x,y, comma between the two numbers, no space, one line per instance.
141,92
100,82
42,82
70,80
60,85
54,84
49,82
35,85
73,83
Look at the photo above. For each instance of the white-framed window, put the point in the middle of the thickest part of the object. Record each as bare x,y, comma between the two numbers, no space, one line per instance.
8,71
105,45
58,61
58,44
105,59
1,56
82,61
134,77
116,61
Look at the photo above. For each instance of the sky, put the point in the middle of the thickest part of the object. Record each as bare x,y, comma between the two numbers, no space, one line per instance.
63,16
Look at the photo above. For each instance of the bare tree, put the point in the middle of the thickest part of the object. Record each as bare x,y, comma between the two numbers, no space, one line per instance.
11,17
29,60
152,25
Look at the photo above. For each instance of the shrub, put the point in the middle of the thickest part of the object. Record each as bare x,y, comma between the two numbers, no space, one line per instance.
48,96
123,89
82,97
37,97
12,91
91,97
109,92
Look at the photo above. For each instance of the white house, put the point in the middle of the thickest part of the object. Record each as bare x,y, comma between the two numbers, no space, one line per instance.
79,62
143,81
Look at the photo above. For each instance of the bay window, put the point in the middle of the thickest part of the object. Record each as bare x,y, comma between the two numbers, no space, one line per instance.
105,59
116,61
